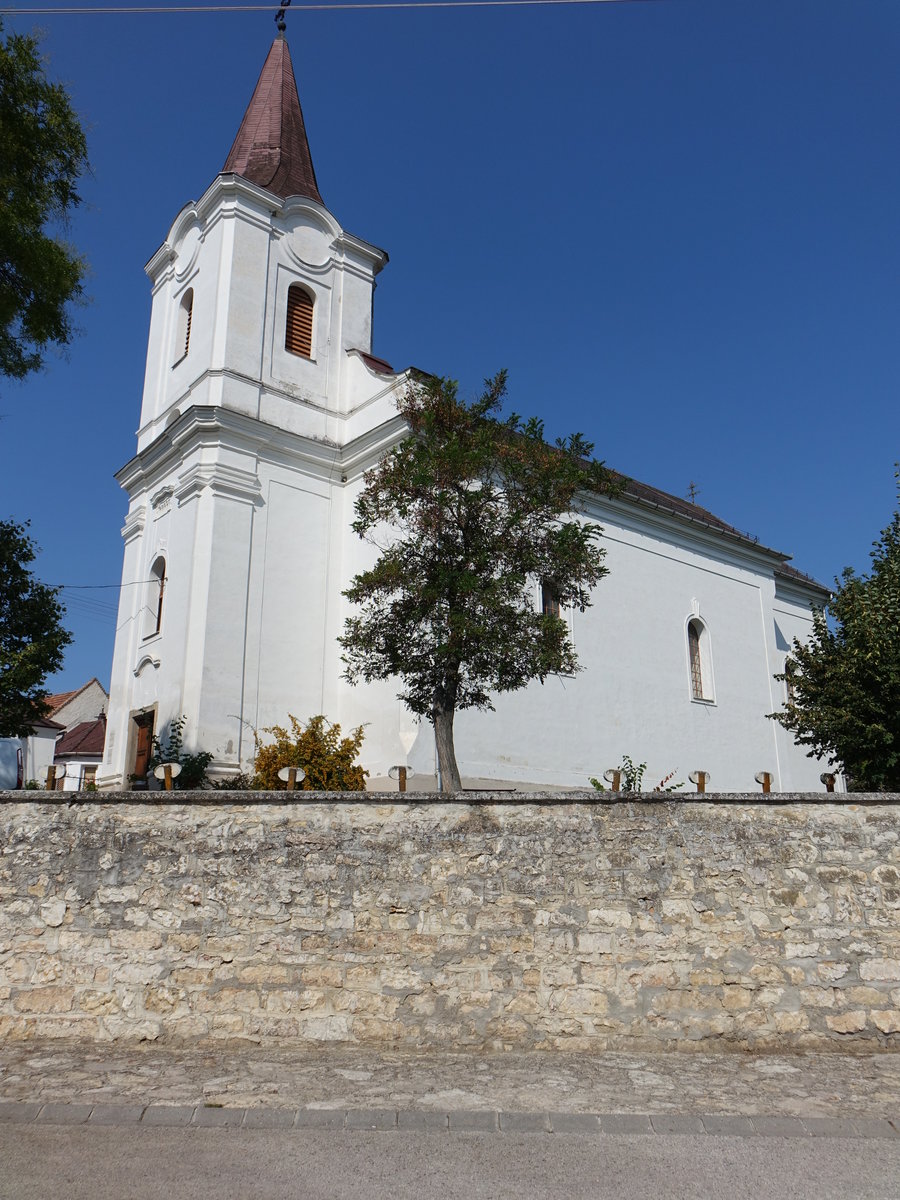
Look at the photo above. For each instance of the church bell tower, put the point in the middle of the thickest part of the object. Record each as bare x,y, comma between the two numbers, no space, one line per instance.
262,406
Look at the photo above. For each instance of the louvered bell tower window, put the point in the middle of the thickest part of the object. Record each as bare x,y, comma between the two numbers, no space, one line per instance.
185,314
298,328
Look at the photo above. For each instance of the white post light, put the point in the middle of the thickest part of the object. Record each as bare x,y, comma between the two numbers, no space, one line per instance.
700,778
401,773
614,776
765,778
291,776
167,772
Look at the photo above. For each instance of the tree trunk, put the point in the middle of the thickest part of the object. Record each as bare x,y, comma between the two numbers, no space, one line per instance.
448,771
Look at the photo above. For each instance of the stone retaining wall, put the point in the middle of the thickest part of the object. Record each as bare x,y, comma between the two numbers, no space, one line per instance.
535,922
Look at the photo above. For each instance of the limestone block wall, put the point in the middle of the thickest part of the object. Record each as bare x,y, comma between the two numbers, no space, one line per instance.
543,922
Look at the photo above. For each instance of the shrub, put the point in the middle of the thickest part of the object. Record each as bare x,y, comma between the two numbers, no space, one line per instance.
327,758
241,782
633,778
193,766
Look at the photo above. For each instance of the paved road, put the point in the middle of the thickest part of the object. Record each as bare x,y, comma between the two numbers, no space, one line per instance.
144,1163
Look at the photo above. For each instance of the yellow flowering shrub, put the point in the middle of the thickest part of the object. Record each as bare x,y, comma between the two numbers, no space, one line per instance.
328,759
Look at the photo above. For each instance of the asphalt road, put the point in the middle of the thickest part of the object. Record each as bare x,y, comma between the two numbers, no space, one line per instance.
85,1163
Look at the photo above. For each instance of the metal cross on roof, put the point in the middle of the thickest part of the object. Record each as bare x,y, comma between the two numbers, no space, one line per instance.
279,16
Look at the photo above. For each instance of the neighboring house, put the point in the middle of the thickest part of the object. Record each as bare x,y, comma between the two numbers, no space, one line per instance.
84,704
79,753
38,749
263,407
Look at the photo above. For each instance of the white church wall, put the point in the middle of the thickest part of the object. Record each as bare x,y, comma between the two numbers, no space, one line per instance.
634,694
291,615
791,618
112,770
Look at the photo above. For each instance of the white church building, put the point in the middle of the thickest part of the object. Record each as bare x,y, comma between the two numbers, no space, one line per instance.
263,407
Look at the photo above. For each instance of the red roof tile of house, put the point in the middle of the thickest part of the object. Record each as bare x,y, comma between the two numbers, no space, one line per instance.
86,739
60,699
271,148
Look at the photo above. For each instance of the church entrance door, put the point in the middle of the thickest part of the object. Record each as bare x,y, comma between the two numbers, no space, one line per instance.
143,744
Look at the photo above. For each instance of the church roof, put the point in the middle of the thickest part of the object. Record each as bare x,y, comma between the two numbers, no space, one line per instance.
643,493
271,148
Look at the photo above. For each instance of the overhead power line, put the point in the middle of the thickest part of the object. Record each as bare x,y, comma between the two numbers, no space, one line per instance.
120,9
93,587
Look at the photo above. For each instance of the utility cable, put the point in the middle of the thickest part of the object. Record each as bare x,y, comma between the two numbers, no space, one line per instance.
118,10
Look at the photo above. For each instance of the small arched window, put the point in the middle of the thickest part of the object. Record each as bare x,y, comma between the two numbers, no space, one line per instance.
183,334
696,638
299,324
155,594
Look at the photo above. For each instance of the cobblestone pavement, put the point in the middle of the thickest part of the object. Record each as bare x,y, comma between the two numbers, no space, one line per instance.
350,1079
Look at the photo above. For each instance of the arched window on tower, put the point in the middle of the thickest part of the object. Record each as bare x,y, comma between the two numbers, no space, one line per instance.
183,333
156,589
299,324
699,660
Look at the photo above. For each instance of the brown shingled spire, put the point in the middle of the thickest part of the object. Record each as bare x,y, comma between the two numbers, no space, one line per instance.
271,148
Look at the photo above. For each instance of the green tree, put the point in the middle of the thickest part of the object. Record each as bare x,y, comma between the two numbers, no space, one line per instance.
844,682
32,639
470,514
43,153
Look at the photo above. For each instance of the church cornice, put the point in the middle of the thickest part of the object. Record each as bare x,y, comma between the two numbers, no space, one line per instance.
230,196
212,426
222,480
135,523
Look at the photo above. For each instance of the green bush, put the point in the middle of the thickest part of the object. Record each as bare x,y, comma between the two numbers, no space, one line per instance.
193,766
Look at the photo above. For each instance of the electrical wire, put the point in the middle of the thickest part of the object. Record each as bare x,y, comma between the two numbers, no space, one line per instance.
93,587
118,10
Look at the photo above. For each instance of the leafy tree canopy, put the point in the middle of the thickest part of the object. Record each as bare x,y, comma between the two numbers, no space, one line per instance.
43,153
845,681
32,639
470,514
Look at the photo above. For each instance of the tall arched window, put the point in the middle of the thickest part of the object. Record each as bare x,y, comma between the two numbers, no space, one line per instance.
789,690
155,594
697,636
183,333
550,605
299,324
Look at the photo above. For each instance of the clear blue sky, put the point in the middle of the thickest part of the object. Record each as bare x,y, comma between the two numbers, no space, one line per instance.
674,222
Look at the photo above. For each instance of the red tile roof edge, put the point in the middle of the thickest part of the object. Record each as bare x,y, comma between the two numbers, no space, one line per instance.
59,699
87,738
379,365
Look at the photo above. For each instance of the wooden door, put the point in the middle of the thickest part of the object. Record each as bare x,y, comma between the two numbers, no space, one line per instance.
144,744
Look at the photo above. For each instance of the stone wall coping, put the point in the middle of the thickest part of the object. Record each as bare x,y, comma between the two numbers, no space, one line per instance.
214,798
